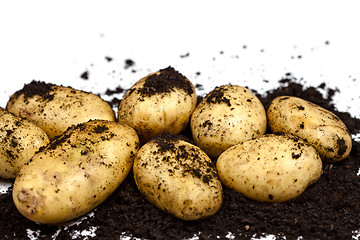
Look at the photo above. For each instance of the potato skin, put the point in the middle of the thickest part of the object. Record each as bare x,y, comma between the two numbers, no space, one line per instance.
320,127
76,172
55,108
160,102
20,139
178,177
227,116
270,168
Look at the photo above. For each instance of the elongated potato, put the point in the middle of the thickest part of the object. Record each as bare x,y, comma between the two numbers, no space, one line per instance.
76,172
55,108
160,102
19,139
227,116
320,127
270,168
178,178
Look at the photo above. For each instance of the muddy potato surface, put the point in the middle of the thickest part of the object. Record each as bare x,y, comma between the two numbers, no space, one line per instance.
227,116
160,102
76,172
320,127
270,168
19,140
55,108
178,178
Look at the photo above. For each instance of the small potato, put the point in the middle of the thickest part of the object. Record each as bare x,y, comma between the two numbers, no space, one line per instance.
160,102
55,108
227,116
19,139
270,168
318,126
178,178
76,172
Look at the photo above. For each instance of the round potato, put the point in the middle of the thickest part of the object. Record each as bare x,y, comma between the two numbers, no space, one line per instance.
76,172
178,178
227,116
318,126
160,102
270,168
20,139
55,108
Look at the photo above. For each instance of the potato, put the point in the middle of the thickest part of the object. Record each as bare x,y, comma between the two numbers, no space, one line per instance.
178,178
320,127
270,168
20,139
160,102
227,116
55,108
76,172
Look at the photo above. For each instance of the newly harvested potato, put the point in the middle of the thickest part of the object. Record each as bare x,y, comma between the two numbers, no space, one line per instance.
160,102
320,127
270,168
76,172
227,116
178,178
55,108
19,139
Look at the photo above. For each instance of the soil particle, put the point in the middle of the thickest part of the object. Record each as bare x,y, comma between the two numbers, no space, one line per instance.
185,55
129,63
117,90
109,59
85,75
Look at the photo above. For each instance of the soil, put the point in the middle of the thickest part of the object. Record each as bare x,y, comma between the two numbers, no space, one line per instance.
165,81
85,75
328,209
129,63
39,88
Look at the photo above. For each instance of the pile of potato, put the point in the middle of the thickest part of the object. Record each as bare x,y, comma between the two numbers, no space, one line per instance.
68,151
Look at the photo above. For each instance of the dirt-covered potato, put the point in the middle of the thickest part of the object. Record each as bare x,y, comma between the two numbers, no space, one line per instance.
318,126
271,168
76,172
160,102
19,139
178,178
55,108
227,116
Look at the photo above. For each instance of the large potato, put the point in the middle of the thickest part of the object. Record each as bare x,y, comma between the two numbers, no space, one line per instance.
19,139
76,172
178,178
160,102
55,108
320,127
271,168
227,116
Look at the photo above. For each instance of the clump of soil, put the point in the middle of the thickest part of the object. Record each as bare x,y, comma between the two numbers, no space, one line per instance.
217,96
85,75
36,88
328,209
165,81
129,63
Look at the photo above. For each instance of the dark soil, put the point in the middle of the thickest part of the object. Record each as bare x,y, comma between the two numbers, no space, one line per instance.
39,88
165,81
85,75
330,209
